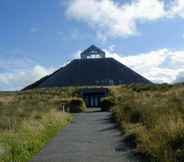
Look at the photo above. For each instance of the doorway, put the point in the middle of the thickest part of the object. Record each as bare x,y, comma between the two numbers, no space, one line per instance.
93,96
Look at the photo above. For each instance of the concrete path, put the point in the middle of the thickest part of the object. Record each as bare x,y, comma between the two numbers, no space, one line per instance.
90,138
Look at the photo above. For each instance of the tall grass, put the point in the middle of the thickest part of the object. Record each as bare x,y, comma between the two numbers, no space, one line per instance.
32,135
29,119
152,119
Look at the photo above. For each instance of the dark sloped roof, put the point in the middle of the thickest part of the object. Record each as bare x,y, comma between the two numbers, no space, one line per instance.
86,72
37,83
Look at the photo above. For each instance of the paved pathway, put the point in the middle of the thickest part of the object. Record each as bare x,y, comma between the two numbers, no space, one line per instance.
90,138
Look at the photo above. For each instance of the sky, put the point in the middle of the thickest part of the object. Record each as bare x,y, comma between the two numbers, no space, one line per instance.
39,36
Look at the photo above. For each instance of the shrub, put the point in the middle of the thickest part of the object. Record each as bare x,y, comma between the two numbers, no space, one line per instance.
76,105
107,103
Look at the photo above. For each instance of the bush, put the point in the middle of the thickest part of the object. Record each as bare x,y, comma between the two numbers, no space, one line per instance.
76,105
107,103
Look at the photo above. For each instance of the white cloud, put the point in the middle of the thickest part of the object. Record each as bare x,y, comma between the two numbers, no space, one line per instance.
16,80
40,71
18,71
112,19
180,77
177,8
159,66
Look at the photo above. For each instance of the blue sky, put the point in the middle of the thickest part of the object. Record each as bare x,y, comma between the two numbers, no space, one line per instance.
39,36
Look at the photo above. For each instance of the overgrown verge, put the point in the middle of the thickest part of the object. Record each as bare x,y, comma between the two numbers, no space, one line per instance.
28,120
32,135
152,120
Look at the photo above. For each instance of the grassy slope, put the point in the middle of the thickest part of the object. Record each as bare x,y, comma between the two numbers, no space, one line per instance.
28,120
152,119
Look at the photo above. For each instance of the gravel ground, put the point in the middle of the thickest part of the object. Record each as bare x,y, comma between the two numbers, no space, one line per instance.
90,138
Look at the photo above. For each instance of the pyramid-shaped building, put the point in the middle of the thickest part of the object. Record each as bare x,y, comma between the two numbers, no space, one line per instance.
92,69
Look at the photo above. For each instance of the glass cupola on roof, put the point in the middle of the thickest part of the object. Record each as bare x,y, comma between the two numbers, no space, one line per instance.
92,52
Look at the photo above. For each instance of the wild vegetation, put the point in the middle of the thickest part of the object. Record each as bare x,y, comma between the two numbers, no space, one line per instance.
107,103
151,118
29,119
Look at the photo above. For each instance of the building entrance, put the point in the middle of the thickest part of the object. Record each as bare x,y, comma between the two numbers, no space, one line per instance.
93,96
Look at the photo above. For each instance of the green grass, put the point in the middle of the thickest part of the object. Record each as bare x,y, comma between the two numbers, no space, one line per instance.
28,120
32,135
152,118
